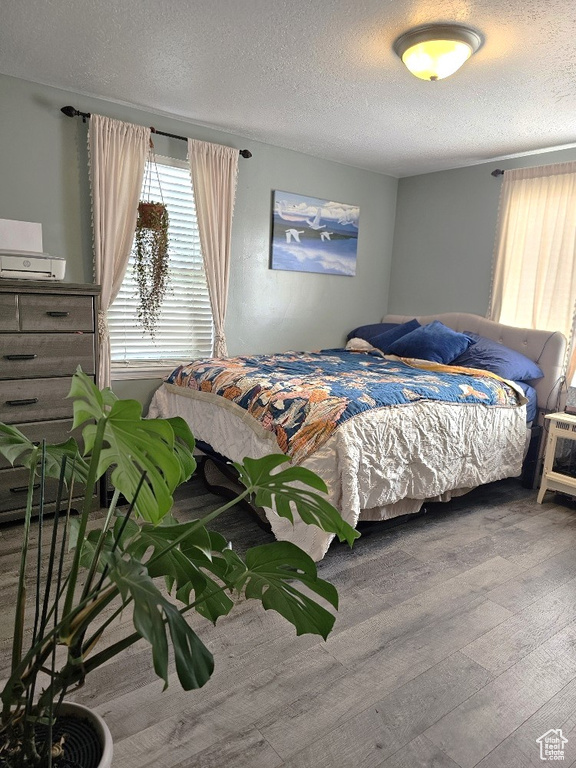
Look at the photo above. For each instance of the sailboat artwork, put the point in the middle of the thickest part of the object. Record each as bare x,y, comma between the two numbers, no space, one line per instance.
313,235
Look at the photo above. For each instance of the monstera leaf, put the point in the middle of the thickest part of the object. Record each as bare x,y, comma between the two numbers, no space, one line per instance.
15,446
183,446
152,614
189,566
89,545
201,561
160,449
275,490
270,571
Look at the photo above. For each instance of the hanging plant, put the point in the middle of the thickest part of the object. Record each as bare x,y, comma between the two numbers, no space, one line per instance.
150,263
151,216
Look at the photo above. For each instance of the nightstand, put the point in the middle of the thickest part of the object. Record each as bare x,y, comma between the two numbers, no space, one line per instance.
560,425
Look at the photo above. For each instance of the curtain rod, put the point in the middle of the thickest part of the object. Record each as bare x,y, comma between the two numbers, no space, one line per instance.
73,112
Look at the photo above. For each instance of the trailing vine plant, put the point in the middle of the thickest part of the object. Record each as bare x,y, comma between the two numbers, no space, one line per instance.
150,252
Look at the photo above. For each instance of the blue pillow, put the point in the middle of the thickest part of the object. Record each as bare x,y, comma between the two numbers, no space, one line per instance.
495,357
532,404
383,340
367,332
434,341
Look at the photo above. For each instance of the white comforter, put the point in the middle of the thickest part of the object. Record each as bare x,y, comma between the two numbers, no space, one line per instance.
378,464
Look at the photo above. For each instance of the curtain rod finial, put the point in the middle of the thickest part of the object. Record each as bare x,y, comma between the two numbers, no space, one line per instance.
246,153
73,112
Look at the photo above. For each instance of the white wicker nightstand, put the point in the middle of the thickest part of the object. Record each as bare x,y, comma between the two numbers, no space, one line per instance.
561,425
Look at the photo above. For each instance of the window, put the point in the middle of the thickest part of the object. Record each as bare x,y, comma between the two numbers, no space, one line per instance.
534,281
184,328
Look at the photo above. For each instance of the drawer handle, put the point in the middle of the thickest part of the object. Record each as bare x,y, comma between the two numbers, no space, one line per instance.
24,488
55,313
20,357
26,401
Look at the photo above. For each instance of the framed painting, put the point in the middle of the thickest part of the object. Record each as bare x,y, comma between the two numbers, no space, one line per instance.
313,235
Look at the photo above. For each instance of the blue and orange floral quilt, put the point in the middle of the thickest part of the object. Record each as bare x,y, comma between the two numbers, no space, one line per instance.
303,397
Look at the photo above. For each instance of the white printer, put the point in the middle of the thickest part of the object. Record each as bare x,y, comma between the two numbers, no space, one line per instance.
30,265
21,254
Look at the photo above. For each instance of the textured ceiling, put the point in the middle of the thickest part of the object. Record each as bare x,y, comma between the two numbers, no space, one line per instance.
318,77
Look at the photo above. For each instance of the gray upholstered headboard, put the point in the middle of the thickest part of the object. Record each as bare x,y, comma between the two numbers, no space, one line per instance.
546,348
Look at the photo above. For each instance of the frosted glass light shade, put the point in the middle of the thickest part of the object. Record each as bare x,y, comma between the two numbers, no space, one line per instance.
437,51
436,59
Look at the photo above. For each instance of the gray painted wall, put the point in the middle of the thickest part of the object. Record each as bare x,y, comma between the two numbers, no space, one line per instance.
444,236
43,166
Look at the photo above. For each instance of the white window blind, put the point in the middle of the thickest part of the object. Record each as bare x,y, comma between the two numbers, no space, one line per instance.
185,328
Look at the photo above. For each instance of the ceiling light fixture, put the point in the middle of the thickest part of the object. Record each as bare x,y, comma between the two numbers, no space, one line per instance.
436,51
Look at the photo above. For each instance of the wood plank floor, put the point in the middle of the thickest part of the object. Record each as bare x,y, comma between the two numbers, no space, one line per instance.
454,647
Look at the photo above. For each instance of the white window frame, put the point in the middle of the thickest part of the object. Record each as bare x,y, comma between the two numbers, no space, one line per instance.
149,370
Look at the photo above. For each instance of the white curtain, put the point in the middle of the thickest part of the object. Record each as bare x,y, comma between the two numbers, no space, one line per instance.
534,282
214,170
118,154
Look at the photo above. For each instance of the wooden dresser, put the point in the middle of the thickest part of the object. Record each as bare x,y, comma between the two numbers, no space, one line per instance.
46,331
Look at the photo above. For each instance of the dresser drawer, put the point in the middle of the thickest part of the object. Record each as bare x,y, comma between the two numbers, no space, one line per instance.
38,355
8,312
56,313
14,491
30,400
14,488
53,431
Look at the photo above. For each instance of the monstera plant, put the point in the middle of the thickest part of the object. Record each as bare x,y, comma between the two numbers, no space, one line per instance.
138,558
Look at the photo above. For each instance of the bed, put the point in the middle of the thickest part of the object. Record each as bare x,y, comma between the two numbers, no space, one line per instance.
379,460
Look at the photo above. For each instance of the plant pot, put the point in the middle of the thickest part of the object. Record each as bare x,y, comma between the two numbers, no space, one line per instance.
151,216
78,715
87,739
